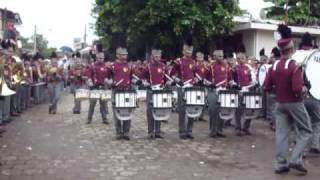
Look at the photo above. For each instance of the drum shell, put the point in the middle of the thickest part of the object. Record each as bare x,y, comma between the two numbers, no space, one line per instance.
194,96
82,94
125,99
252,100
162,99
229,99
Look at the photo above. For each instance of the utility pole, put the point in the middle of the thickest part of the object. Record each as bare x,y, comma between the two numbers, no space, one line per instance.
35,39
85,35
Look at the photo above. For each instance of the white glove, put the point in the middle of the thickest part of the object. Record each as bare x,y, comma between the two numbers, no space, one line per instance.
108,81
176,79
232,83
145,83
90,83
206,82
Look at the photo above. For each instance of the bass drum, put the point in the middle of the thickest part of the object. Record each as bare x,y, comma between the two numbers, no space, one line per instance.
310,60
262,73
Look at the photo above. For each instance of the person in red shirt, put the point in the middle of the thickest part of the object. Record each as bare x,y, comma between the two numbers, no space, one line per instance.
184,73
243,78
121,78
97,77
78,81
154,76
219,79
287,80
201,73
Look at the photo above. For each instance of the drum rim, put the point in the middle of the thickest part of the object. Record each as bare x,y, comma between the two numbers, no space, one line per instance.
229,92
306,66
258,74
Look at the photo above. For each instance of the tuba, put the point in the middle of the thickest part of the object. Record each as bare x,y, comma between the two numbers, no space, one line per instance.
4,89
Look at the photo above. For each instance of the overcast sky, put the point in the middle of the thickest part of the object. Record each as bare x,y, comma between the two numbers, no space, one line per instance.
60,21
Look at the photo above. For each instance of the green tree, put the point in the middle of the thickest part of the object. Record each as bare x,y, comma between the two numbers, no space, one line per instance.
301,12
42,42
140,22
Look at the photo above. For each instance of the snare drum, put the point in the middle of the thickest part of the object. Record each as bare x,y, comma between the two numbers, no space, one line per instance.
194,96
229,99
162,99
252,100
82,94
125,99
95,94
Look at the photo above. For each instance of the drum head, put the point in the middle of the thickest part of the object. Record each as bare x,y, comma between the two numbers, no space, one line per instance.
301,55
312,73
262,73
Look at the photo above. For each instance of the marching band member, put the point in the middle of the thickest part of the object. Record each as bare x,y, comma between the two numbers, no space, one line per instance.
312,105
29,81
121,77
201,72
270,96
16,78
97,76
154,76
219,77
2,98
77,79
243,78
287,80
184,75
55,83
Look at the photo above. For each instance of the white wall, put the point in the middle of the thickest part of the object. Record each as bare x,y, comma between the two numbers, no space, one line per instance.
265,39
248,38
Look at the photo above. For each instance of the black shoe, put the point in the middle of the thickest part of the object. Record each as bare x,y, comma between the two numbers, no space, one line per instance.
158,136
189,136
239,133
298,167
50,110
220,135
2,130
183,137
151,136
314,151
201,119
213,135
105,122
89,121
118,137
247,133
282,170
127,138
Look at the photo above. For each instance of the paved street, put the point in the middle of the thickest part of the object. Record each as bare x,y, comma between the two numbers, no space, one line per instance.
39,146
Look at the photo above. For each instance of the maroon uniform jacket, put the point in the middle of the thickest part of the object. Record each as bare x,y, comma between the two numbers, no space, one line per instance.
201,70
287,81
155,73
121,74
184,69
242,75
98,73
220,74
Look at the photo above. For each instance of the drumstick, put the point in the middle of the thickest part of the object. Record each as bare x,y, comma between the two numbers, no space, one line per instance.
198,76
220,83
136,77
168,77
187,81
119,82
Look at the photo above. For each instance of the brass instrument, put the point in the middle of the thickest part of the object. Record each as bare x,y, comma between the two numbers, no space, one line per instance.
4,89
18,74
